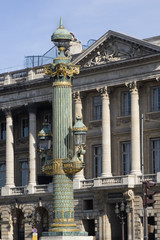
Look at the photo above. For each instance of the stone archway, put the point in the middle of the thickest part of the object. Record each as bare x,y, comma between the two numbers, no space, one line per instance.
18,224
43,225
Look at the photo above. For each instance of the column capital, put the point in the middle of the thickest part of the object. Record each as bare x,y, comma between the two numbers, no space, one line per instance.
104,91
7,111
32,107
77,96
133,86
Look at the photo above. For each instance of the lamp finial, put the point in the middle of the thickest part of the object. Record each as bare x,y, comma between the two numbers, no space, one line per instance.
61,23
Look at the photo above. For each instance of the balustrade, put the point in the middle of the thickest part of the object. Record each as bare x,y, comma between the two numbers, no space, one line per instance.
21,75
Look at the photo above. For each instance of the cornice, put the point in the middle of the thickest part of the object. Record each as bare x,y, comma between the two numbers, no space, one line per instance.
119,81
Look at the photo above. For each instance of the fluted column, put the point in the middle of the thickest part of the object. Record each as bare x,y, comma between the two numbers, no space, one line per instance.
32,145
9,149
78,111
106,133
135,129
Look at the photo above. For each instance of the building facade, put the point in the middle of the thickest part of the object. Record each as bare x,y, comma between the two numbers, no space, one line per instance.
118,82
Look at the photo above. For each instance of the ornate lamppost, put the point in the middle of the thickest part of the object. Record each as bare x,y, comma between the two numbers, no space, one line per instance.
121,211
64,163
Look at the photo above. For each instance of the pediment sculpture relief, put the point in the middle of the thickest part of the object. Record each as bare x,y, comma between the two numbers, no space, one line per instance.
115,51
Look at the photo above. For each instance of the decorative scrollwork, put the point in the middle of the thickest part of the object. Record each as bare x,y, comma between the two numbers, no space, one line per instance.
61,69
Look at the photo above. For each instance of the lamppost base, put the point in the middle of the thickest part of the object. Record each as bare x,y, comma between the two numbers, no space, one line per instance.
65,236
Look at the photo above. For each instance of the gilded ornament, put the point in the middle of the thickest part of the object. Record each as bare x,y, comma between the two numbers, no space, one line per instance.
58,166
84,128
62,84
61,69
48,70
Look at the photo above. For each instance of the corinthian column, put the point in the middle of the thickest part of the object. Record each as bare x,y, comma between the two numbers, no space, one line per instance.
9,150
78,111
135,129
106,133
32,145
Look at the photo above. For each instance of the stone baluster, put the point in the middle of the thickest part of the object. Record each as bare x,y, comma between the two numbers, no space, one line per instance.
106,133
135,129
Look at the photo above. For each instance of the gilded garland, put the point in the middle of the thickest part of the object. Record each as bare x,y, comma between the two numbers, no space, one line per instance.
61,70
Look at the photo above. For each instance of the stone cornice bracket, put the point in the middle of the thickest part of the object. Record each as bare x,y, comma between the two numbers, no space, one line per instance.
129,195
132,86
158,79
77,97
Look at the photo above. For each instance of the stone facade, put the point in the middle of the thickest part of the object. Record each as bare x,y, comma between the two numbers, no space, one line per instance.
119,80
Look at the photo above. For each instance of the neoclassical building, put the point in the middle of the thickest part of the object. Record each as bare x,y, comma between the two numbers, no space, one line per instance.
119,81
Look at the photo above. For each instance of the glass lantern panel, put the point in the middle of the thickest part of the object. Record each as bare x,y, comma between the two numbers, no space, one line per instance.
80,139
45,144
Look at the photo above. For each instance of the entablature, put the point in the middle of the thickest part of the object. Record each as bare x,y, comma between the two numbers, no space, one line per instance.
118,74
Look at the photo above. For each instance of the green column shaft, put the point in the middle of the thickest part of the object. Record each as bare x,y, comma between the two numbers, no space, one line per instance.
62,122
63,203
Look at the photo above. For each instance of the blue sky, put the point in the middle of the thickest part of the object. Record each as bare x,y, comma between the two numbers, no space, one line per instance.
27,25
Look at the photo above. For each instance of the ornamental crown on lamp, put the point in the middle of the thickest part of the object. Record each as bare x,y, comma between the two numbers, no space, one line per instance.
61,35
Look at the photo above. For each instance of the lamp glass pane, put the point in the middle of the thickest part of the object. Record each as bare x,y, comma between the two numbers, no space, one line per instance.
80,139
44,144
122,207
117,209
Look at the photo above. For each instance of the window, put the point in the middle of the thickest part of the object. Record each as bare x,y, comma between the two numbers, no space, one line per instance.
126,103
97,151
24,172
25,127
126,157
2,174
3,131
155,99
97,108
155,154
88,204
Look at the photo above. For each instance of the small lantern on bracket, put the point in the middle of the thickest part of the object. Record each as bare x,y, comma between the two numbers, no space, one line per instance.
45,137
79,132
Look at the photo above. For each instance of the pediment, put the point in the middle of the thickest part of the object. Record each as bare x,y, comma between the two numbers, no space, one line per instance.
115,47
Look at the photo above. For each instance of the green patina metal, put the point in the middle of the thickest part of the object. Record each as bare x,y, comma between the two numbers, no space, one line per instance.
61,33
64,163
45,133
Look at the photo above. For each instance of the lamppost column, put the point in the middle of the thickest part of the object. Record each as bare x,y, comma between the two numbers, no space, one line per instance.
63,207
64,164
135,129
9,149
32,145
106,133
78,111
